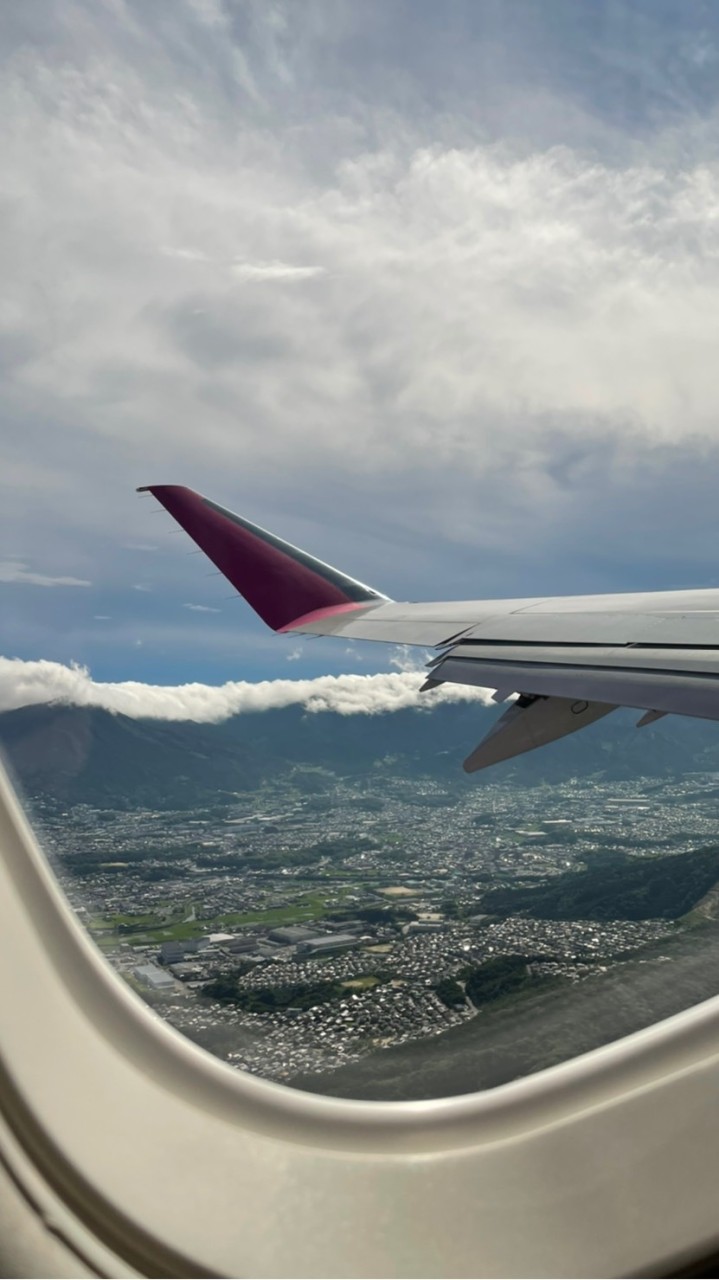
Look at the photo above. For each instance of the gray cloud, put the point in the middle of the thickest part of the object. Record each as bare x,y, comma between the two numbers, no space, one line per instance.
435,294
185,255
29,683
217,331
201,608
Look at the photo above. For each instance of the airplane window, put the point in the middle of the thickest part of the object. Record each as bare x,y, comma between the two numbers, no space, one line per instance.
432,296
366,921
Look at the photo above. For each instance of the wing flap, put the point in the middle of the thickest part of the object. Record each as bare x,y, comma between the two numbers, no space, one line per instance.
532,722
679,693
632,658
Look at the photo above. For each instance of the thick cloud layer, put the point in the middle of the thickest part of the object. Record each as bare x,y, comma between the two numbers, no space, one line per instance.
29,683
435,298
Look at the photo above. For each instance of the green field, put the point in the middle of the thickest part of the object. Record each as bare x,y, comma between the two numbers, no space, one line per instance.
149,927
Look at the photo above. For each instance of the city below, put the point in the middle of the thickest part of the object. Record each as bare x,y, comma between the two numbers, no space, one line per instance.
318,922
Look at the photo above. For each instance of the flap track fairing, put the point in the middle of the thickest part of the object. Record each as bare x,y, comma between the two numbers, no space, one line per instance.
532,722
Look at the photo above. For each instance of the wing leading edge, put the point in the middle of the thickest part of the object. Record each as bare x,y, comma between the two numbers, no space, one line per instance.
573,659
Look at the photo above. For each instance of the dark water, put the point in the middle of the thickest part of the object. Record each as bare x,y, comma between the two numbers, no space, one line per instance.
540,1031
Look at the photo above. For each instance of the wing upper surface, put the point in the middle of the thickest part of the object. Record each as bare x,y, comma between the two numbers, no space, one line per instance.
678,618
619,652
657,651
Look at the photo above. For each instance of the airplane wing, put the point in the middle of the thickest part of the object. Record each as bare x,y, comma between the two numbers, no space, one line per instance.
572,659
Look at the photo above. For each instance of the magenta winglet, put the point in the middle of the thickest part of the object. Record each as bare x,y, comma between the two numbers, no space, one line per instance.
280,582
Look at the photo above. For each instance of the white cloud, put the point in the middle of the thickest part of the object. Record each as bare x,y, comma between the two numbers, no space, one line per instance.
29,683
201,608
244,270
409,659
16,571
263,271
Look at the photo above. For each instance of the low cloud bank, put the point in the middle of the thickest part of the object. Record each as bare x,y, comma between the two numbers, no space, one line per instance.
29,683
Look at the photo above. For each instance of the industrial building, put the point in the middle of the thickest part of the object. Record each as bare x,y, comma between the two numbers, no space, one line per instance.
291,934
329,942
150,975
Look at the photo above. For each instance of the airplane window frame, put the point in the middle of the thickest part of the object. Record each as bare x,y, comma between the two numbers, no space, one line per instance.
144,1152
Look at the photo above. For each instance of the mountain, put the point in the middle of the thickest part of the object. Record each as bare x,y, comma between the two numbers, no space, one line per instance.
82,754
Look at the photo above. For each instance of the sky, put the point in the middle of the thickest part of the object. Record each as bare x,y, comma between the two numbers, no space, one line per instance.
430,291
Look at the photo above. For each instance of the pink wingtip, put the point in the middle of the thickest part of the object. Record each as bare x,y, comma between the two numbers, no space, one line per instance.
319,615
282,583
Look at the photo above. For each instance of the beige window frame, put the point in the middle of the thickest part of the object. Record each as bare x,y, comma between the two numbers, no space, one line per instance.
134,1152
